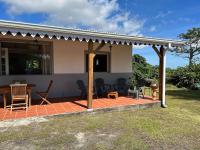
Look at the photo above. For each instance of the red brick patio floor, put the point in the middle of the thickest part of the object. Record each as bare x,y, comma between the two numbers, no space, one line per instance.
66,105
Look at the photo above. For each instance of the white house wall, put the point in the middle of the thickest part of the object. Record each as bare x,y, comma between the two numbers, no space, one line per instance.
69,66
121,59
69,57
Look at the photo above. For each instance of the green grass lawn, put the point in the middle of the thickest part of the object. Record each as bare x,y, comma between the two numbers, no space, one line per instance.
175,127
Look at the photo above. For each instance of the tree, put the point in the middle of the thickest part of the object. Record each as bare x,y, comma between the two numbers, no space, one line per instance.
192,48
188,77
142,70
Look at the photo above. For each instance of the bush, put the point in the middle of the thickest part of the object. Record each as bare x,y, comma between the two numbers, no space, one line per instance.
188,77
143,73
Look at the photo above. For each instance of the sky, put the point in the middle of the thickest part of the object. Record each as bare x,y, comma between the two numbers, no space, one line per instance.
152,18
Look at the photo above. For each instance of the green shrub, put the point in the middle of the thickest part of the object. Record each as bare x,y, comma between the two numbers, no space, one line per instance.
188,77
143,73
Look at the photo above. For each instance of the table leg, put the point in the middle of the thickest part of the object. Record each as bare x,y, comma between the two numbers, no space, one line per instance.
4,100
138,96
29,97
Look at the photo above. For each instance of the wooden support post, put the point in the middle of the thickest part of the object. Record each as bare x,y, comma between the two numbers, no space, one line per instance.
91,56
162,73
162,76
0,61
158,52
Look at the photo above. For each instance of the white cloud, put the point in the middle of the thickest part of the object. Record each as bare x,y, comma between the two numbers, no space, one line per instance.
139,46
162,14
101,15
152,28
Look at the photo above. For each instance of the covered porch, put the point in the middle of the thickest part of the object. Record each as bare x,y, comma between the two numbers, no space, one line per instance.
67,55
62,106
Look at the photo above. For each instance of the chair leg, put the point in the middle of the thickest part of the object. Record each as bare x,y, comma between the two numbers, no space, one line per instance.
44,100
27,100
47,101
11,107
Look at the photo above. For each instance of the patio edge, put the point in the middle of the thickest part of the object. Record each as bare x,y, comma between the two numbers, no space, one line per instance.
109,109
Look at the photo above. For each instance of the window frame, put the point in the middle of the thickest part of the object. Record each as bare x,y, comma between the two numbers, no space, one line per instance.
108,54
35,42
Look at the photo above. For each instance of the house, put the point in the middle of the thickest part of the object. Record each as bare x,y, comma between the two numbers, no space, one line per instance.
38,53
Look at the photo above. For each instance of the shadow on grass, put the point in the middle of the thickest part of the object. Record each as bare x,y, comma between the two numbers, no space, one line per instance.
184,94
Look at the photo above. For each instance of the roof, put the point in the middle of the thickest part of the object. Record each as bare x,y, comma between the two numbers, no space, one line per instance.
44,31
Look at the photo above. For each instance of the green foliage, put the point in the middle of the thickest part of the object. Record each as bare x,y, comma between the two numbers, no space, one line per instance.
191,34
191,50
142,71
188,77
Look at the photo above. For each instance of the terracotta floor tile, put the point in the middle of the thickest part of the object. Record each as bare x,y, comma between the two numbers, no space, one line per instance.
51,111
42,114
20,116
31,115
64,105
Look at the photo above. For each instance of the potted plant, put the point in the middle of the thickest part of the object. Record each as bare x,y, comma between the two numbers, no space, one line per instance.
154,87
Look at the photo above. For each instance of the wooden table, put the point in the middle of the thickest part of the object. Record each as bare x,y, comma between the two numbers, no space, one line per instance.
5,89
113,94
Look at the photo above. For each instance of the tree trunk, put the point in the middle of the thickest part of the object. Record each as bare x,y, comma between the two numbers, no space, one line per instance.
191,59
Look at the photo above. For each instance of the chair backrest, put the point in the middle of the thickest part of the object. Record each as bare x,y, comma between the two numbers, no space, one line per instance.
18,89
49,86
81,85
19,82
99,82
121,82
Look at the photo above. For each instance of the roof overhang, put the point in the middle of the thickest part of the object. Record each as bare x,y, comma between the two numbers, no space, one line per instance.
43,31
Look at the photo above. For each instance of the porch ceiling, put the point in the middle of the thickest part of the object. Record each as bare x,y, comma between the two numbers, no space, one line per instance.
43,31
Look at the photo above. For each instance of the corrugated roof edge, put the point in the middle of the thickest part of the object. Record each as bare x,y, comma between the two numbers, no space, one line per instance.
60,30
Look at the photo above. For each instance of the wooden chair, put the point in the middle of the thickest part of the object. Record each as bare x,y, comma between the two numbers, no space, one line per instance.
19,94
44,95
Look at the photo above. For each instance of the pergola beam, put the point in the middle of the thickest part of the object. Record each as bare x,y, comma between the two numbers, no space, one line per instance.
100,47
157,51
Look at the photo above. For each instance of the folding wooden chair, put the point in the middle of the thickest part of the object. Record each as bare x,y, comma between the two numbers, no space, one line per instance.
44,95
19,94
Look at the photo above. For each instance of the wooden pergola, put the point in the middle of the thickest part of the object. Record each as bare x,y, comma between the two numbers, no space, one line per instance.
36,32
161,52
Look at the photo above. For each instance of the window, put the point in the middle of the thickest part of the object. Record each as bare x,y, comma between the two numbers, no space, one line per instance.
25,58
101,63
